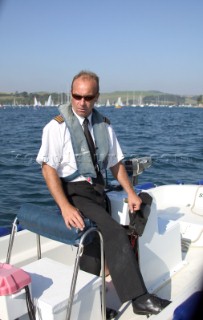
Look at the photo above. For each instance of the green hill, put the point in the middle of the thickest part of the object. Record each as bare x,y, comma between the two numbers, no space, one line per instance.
127,97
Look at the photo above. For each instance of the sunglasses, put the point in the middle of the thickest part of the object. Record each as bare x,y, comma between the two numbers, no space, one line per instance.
86,98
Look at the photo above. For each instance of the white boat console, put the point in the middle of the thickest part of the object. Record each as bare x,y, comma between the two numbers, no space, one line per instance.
157,261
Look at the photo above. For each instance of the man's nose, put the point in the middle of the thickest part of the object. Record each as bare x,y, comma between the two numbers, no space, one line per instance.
82,101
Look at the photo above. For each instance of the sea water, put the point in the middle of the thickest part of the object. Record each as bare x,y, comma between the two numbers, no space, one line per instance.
173,137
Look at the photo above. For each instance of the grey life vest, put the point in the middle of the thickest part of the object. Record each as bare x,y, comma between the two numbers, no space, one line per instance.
83,158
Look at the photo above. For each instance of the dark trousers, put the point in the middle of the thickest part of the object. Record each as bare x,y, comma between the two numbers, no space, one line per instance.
121,259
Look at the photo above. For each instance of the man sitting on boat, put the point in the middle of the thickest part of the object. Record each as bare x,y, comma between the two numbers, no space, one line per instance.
72,165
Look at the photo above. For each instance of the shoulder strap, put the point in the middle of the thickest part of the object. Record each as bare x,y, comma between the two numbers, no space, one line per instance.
59,119
105,119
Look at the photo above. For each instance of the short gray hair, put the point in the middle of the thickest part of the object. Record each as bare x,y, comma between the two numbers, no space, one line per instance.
86,75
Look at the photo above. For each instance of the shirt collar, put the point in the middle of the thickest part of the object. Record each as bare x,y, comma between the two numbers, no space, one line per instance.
81,119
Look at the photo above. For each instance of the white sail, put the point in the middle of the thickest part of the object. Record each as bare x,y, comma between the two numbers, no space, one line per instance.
127,101
119,103
49,102
108,103
35,102
133,104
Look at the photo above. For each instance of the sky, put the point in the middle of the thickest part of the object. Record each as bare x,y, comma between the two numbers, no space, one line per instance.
131,44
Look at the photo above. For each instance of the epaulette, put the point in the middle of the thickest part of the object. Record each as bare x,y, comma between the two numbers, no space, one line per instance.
59,119
106,120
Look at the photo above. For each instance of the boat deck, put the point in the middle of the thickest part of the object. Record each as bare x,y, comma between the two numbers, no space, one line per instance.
188,277
170,250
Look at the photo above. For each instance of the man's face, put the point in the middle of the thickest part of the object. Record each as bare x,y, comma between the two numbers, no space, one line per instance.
84,96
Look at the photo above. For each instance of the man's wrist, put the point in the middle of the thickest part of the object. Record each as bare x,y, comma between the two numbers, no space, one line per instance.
130,190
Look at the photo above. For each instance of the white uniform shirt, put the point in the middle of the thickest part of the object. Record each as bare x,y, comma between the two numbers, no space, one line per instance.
57,151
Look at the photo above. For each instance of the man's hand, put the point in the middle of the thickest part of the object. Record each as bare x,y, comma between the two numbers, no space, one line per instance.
120,174
134,202
72,217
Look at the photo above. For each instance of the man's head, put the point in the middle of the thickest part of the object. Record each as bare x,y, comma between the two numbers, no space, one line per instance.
84,92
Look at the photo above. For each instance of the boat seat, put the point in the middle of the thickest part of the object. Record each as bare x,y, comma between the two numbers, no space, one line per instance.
49,223
43,221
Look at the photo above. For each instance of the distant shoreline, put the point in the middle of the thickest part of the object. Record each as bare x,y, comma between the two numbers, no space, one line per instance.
127,97
98,106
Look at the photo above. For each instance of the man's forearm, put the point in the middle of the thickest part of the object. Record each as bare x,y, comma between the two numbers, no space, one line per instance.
71,215
54,185
120,174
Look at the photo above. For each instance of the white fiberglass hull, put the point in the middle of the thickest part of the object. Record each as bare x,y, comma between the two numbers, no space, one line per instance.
170,250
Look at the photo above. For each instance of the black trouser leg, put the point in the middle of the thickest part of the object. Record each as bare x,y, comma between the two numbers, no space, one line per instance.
119,255
90,261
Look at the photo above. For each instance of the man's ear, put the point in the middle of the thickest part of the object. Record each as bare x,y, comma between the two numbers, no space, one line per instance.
97,97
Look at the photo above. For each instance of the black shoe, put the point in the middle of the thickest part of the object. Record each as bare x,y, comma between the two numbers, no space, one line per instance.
110,313
149,304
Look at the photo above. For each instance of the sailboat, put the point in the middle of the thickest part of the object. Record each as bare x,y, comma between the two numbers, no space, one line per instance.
127,101
119,103
133,104
140,104
107,103
49,102
36,102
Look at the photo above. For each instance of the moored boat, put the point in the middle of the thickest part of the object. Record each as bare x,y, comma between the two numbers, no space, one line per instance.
119,103
169,252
